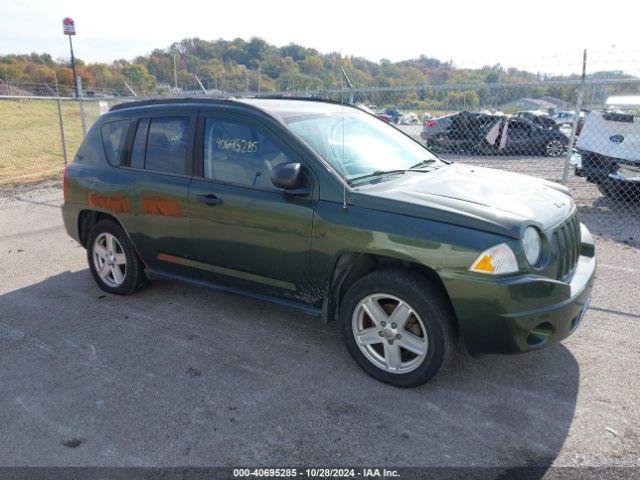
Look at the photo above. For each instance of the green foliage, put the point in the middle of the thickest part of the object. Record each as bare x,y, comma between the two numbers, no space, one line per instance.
238,64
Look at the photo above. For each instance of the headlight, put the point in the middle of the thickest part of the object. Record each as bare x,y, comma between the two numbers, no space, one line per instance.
532,245
495,261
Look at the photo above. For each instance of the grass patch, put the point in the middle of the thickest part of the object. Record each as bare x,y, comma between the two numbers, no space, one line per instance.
30,142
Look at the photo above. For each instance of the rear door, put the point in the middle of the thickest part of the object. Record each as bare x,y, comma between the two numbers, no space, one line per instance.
155,187
519,137
244,230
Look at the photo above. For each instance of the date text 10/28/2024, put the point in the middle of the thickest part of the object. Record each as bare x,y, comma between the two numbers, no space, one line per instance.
315,473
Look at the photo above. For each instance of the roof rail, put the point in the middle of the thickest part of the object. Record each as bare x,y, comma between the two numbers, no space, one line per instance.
215,101
170,100
307,99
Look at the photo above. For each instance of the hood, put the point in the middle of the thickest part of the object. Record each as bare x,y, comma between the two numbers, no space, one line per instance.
481,198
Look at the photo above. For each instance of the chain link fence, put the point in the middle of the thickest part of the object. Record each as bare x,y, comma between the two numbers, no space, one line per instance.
584,134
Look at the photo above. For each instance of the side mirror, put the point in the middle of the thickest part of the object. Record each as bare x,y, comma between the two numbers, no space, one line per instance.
287,176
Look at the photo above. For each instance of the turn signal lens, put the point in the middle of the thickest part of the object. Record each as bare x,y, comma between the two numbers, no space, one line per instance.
496,260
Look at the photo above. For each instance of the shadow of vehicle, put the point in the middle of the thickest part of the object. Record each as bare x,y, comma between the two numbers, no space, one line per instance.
178,375
607,219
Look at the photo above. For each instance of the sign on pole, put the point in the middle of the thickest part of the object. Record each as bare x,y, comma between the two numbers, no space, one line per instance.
68,26
103,106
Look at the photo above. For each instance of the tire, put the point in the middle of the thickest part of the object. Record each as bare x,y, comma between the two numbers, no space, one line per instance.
429,327
109,246
554,148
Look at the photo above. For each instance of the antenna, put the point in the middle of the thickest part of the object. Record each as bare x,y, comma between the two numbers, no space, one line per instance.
345,78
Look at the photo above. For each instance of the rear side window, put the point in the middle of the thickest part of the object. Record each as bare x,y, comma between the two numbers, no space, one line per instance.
167,142
114,138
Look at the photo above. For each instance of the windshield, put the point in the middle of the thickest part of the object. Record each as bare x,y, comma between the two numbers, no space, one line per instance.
359,145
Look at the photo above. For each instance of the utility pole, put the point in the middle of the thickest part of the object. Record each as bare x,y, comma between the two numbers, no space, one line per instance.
258,78
175,73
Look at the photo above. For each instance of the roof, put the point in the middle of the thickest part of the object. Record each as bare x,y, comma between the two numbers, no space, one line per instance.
624,101
282,107
287,107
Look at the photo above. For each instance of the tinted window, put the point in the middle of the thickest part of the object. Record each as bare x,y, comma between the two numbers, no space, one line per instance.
239,153
167,142
114,137
139,144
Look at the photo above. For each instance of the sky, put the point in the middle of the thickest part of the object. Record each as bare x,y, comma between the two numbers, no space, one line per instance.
541,36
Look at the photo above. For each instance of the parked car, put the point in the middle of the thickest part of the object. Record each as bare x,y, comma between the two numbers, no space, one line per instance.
433,126
328,210
609,154
541,120
565,120
563,117
409,118
389,115
471,133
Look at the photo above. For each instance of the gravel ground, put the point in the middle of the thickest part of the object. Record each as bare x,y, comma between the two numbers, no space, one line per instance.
179,375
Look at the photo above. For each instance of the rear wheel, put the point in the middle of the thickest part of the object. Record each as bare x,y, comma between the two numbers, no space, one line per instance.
113,262
554,148
398,327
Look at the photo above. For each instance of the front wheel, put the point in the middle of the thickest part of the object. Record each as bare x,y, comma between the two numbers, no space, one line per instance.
398,327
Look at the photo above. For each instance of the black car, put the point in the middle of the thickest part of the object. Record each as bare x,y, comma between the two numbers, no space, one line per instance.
541,120
481,134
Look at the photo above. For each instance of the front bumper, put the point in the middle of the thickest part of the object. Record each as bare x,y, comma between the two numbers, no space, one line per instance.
523,313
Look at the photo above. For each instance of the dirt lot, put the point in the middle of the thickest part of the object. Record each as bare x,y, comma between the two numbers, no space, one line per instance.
179,375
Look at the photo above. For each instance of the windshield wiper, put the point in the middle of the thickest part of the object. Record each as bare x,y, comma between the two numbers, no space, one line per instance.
377,173
423,163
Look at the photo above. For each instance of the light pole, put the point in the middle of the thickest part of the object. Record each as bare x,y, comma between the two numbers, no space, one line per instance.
69,29
175,73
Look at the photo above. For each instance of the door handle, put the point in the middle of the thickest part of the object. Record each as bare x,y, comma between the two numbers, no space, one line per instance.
210,199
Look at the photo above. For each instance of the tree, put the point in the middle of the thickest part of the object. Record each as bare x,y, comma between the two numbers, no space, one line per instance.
139,76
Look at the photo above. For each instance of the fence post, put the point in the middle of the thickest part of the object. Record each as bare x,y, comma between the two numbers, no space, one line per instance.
576,120
56,92
83,120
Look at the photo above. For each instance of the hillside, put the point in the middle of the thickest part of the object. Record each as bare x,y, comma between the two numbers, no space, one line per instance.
233,65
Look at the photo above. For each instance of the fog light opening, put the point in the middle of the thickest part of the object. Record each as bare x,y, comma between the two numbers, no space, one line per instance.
540,334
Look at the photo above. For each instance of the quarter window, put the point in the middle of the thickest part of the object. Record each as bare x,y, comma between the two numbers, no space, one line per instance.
114,137
239,153
167,142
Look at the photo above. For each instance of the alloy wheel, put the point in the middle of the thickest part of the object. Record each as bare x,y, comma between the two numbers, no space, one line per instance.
109,260
554,148
390,333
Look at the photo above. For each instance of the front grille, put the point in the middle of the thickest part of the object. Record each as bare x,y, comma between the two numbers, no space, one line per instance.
567,240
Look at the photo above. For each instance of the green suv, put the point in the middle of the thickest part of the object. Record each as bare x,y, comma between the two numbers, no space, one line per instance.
326,209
